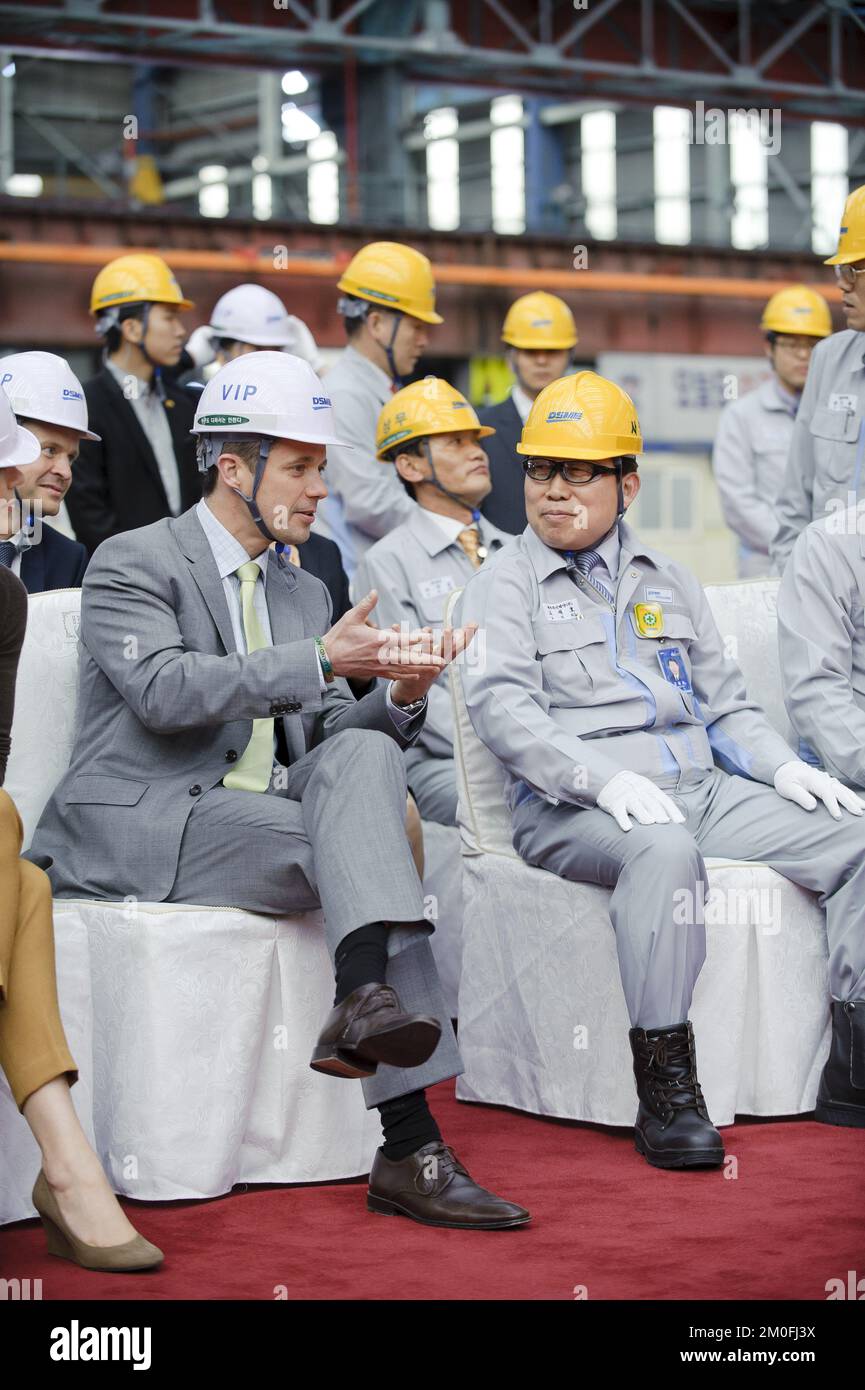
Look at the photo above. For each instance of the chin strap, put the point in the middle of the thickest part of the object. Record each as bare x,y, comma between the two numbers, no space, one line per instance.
455,497
398,380
208,450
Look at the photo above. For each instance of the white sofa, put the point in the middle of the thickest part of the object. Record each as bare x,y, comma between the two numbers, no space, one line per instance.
543,1023
192,1027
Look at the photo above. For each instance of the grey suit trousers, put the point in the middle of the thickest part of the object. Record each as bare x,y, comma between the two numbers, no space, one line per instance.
655,872
433,783
331,833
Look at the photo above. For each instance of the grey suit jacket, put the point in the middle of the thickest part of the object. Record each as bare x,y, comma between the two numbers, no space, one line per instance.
166,704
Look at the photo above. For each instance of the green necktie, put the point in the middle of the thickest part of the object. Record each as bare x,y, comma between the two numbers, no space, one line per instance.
253,771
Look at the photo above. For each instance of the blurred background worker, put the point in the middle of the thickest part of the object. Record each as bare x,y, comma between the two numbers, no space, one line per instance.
387,305
825,467
143,468
246,319
755,432
48,398
431,435
540,335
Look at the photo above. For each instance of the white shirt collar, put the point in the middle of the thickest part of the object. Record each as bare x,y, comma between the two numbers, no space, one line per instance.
449,524
522,402
228,552
144,386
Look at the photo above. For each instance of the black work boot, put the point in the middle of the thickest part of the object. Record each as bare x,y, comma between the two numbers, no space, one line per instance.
673,1129
841,1097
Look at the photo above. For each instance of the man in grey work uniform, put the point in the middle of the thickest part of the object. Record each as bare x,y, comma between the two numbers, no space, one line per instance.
579,699
430,436
826,467
387,304
821,635
754,432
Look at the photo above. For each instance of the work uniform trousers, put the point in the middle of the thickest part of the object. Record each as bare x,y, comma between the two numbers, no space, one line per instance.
433,783
657,872
330,833
33,1047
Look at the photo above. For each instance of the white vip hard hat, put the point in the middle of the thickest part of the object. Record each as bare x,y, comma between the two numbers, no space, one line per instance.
267,393
18,446
43,387
252,314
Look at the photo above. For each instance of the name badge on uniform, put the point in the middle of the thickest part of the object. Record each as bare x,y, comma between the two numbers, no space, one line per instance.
560,612
649,618
662,595
842,400
673,666
435,588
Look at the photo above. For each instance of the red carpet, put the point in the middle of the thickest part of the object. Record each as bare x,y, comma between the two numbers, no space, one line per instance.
792,1219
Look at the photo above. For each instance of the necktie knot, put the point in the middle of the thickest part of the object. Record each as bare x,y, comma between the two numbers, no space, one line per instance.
248,572
586,560
470,541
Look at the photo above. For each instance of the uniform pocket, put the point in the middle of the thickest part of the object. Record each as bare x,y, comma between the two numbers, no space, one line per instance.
573,656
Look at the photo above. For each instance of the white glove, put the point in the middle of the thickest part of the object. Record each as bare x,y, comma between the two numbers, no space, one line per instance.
629,794
199,345
303,344
803,784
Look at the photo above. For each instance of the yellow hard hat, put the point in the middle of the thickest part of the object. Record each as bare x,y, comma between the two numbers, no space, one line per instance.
583,416
431,406
393,276
137,279
797,310
851,238
539,320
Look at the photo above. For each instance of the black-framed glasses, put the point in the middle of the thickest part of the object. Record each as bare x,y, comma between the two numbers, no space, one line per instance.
574,471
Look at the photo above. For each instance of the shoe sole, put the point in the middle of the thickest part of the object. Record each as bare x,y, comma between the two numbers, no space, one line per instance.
678,1158
335,1061
405,1045
383,1207
852,1118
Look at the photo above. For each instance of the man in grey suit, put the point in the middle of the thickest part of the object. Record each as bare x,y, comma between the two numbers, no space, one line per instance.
221,759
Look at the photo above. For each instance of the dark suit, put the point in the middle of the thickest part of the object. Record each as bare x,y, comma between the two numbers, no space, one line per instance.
116,484
55,563
505,506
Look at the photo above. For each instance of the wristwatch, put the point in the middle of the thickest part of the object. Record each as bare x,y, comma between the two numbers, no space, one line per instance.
413,707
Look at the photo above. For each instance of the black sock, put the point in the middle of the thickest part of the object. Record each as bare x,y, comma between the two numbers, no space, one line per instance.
407,1125
361,959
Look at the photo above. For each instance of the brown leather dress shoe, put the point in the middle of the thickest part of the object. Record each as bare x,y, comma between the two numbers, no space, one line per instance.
433,1187
369,1027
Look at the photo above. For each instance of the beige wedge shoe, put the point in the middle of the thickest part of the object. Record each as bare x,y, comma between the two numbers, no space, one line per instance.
137,1253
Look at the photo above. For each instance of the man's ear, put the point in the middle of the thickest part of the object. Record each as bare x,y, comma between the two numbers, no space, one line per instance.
410,467
132,330
630,487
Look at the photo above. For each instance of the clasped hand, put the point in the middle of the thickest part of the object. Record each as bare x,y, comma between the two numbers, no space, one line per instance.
412,658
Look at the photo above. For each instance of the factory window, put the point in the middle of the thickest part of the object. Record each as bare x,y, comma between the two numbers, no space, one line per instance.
322,179
508,165
262,188
828,184
749,177
672,144
213,192
598,145
24,185
442,169
668,500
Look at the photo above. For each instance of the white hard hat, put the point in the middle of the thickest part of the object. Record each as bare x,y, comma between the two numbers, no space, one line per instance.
18,446
42,386
267,393
251,314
